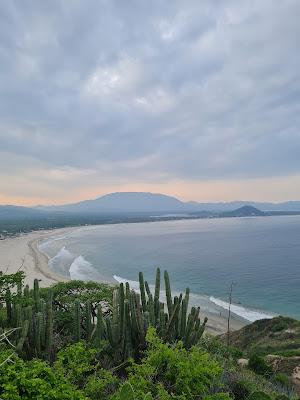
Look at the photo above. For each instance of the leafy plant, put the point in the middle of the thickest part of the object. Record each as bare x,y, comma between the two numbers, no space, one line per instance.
259,365
80,365
171,371
127,393
259,396
34,380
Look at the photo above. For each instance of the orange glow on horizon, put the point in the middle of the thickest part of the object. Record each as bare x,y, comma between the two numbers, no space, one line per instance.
274,189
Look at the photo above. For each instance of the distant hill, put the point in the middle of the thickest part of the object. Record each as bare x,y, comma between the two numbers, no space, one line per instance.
155,202
17,212
245,211
125,202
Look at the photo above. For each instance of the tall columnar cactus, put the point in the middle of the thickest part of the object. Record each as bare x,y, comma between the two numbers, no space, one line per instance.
77,321
49,326
168,293
142,291
8,306
132,313
33,336
88,321
36,295
23,335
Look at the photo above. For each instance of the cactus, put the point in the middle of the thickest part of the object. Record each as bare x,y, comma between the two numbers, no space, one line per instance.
88,322
49,326
133,313
77,321
33,325
8,306
168,293
36,295
23,336
142,290
156,295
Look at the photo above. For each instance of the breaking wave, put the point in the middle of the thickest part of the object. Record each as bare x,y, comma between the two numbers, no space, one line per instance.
62,256
246,313
209,303
81,269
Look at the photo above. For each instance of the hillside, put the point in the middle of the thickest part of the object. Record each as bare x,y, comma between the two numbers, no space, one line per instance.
11,212
280,335
245,211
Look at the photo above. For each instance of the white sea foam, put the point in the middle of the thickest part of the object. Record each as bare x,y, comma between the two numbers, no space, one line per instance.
63,255
206,303
246,313
133,284
81,269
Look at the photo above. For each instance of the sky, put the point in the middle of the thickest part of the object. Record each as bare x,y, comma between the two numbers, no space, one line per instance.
196,99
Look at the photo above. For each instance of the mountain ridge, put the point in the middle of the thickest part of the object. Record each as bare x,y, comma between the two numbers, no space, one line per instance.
146,201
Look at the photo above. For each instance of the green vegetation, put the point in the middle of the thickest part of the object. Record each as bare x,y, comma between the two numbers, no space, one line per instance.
279,335
92,341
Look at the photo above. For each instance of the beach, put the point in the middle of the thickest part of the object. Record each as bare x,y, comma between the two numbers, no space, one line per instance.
22,253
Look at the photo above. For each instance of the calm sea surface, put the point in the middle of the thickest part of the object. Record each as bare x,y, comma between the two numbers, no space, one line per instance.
261,255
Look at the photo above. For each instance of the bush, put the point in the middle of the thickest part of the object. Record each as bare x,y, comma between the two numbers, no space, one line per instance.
218,396
258,365
259,396
241,389
282,379
172,372
79,364
35,380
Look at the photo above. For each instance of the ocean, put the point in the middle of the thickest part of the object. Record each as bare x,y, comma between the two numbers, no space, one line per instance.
261,255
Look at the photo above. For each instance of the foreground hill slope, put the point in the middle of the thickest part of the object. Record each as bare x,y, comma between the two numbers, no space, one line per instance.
280,335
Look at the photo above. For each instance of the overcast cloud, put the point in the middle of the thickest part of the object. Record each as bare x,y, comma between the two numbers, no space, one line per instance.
98,93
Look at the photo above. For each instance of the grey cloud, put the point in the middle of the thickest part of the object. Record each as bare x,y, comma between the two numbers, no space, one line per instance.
208,90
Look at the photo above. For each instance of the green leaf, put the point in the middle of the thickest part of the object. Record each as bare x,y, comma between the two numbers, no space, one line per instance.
126,392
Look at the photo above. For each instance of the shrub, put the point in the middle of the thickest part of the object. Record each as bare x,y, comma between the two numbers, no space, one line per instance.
35,380
79,364
218,396
258,365
172,372
282,379
259,396
241,389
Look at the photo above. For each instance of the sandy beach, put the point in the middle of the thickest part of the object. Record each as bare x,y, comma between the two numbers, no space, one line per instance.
22,253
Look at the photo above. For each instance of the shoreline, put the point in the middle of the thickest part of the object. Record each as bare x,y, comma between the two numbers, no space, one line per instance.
22,253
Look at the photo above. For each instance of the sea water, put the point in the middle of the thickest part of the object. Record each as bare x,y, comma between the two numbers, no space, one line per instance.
260,255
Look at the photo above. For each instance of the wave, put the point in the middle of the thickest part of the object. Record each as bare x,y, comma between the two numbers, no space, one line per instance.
42,246
246,313
133,284
208,303
81,269
62,255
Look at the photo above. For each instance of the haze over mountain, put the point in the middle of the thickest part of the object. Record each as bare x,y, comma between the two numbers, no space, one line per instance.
11,212
154,202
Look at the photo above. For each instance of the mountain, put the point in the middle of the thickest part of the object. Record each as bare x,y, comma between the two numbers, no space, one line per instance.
18,212
153,202
245,211
124,202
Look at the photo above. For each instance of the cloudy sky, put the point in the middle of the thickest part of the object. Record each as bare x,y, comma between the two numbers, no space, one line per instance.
197,99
